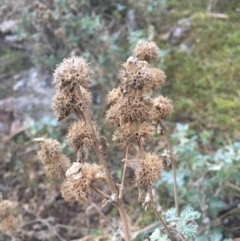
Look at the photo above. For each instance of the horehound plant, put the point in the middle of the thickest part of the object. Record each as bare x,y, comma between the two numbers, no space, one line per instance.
136,113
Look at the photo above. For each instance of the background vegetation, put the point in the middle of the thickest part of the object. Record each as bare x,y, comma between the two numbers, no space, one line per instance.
200,52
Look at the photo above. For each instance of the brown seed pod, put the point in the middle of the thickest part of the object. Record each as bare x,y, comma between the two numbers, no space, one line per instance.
130,135
158,77
78,135
72,71
10,225
136,75
147,170
146,50
161,108
62,105
77,185
55,163
114,96
6,208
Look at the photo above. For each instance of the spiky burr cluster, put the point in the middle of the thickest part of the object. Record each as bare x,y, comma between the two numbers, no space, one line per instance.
55,163
80,177
72,80
71,75
8,223
135,113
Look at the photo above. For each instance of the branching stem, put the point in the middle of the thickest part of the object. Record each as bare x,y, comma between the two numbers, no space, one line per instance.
97,144
123,175
101,158
173,162
158,215
103,215
102,194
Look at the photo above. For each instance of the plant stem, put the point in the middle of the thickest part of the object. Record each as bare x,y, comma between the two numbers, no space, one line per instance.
97,144
122,212
158,215
102,194
140,146
119,202
103,215
173,162
123,176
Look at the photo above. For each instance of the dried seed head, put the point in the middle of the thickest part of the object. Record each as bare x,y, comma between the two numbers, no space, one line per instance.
129,111
55,163
62,105
114,95
79,135
9,225
87,96
112,114
146,50
79,178
82,154
147,171
6,208
68,99
136,75
129,135
158,77
72,71
162,108
76,190
136,110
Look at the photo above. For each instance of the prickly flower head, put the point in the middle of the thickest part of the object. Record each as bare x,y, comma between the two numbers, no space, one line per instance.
158,77
146,50
162,108
78,135
147,170
8,223
130,135
114,95
79,178
66,100
55,163
6,208
136,75
72,72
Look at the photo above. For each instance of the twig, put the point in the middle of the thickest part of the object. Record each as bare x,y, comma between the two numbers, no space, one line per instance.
140,146
102,194
50,227
232,186
158,215
97,144
173,162
123,176
103,215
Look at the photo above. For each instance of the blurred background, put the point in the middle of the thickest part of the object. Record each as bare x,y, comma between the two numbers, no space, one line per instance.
199,43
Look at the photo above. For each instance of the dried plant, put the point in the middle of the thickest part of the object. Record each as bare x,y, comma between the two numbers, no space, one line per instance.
9,223
135,111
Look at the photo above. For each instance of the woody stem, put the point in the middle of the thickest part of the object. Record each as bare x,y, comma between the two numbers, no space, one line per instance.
123,175
173,162
103,215
101,158
158,215
97,144
102,194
